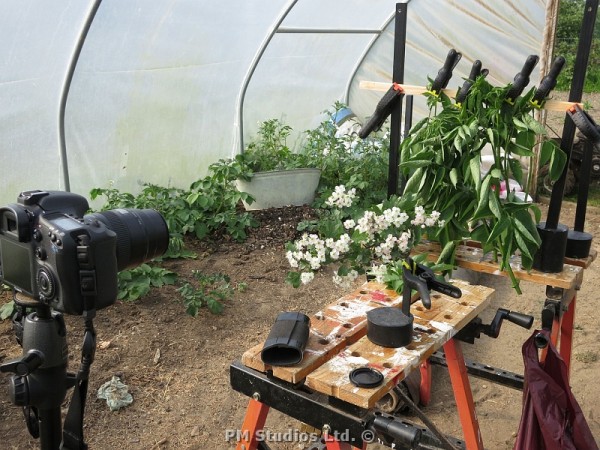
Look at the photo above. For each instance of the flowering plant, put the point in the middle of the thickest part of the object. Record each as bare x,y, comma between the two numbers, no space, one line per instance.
372,241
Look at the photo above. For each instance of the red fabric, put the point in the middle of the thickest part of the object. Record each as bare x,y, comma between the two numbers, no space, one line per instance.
552,418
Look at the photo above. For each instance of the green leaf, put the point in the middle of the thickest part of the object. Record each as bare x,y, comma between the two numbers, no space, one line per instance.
516,170
525,232
494,205
415,182
475,168
558,160
480,233
454,176
483,194
447,253
533,124
546,151
293,278
499,228
7,310
414,164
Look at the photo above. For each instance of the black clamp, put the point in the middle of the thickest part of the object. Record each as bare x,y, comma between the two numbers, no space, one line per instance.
585,124
445,73
476,72
521,79
548,82
383,109
422,279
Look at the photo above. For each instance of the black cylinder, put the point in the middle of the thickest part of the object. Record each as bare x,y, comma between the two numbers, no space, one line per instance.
578,244
389,327
286,341
550,256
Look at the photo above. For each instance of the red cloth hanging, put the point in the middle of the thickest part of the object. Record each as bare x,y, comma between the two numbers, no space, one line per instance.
552,418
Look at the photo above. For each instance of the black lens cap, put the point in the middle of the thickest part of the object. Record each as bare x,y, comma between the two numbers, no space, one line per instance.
366,377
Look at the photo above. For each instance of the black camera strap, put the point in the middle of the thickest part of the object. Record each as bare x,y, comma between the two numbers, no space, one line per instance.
73,427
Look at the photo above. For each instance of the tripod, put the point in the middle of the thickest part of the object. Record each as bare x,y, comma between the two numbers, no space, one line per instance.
40,381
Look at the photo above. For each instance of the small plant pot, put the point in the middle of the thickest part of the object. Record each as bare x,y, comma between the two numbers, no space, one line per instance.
279,188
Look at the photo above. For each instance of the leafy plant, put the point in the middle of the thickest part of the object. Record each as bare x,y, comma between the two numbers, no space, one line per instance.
7,309
206,290
345,159
441,160
137,282
269,150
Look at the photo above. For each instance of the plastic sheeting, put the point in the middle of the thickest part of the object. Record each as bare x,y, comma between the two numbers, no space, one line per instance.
155,93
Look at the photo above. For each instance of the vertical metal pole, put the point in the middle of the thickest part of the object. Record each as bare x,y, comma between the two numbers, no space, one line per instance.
397,77
581,62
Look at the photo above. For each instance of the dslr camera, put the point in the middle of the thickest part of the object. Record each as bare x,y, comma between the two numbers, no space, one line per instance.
53,252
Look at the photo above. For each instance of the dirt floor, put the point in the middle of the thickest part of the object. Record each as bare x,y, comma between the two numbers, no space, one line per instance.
177,367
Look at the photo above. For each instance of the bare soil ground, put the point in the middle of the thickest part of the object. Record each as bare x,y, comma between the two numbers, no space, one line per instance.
182,399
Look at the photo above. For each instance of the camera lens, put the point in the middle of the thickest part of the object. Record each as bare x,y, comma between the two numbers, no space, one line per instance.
142,234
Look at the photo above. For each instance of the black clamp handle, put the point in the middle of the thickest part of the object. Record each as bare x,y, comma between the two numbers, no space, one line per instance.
445,73
521,79
476,72
585,124
382,110
548,82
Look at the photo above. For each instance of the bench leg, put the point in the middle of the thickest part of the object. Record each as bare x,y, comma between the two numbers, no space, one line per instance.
425,387
566,333
256,416
463,395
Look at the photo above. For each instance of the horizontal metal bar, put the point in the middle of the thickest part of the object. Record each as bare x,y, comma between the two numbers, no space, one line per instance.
327,30
493,374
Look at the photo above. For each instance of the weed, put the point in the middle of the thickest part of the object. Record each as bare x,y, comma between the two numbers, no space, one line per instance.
206,290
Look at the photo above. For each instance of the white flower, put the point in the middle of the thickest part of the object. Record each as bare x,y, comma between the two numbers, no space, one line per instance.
349,224
307,277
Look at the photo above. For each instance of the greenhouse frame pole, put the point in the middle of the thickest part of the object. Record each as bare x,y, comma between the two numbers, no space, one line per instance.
276,29
65,92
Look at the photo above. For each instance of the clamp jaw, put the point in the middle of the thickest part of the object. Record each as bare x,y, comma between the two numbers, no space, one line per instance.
423,280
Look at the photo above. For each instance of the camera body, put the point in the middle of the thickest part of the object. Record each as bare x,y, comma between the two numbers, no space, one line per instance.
50,251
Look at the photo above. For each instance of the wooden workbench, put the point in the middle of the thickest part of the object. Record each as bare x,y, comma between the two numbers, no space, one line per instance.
338,344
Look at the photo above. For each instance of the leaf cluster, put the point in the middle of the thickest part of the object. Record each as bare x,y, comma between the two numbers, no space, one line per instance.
209,290
137,282
441,161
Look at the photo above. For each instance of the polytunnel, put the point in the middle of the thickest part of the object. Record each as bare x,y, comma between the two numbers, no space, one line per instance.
160,90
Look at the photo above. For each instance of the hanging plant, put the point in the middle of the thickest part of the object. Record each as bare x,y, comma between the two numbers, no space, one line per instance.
441,162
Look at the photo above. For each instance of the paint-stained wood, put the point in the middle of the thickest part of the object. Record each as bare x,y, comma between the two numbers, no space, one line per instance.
433,328
473,258
337,325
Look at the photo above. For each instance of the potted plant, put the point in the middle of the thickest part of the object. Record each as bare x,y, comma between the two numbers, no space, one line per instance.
272,174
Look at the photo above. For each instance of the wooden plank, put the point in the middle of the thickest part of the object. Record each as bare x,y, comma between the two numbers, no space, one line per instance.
549,105
473,258
432,329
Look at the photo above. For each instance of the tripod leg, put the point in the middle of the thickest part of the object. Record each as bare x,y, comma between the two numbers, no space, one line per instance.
50,428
